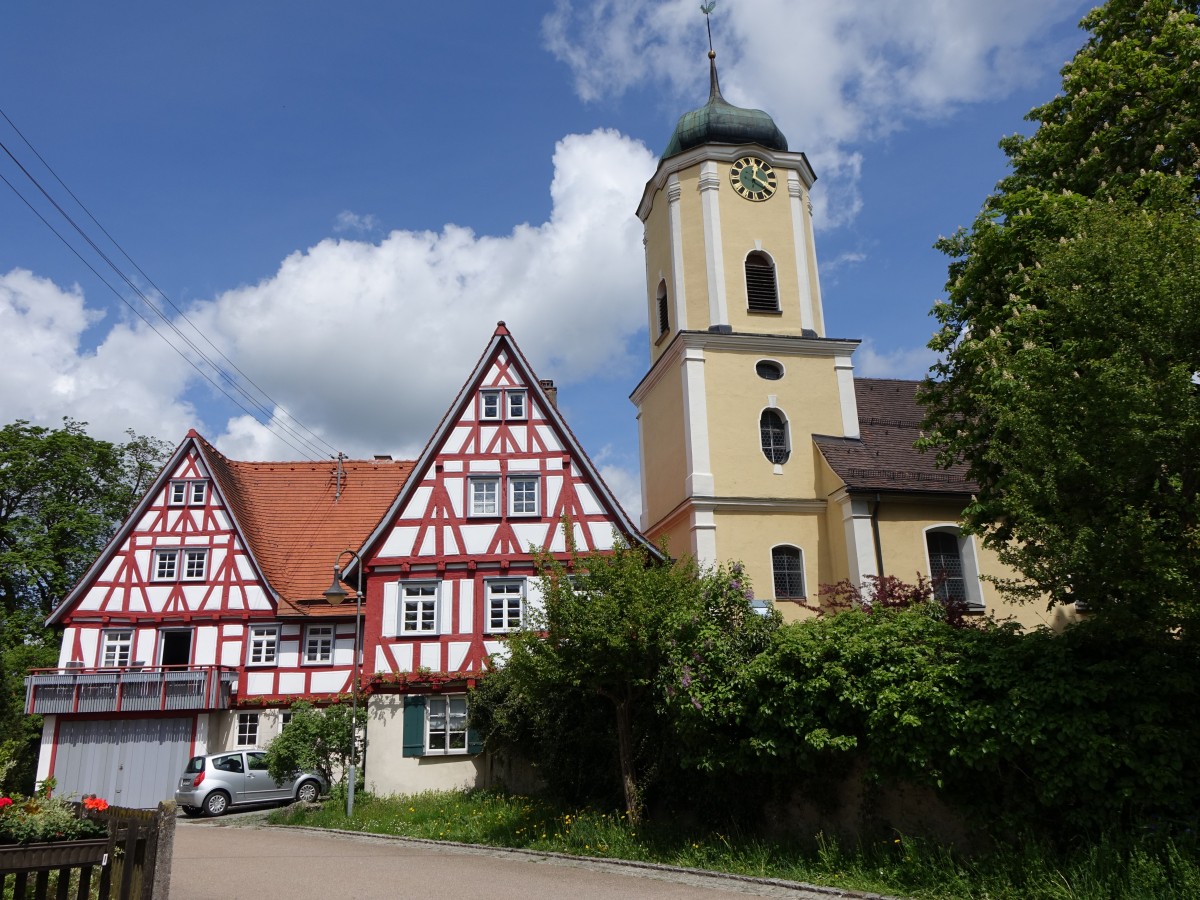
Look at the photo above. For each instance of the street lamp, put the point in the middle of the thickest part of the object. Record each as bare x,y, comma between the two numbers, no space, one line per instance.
335,595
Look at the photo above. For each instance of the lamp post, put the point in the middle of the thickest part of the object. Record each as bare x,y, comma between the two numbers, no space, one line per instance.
335,595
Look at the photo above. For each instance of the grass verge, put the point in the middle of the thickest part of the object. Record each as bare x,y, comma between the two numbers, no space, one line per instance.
1106,869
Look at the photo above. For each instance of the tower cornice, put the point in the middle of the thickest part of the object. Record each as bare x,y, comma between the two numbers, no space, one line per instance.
721,153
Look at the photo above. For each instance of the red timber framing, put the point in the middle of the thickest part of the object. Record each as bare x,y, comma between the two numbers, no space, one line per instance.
449,569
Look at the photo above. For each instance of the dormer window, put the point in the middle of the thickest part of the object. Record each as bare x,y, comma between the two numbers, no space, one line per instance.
188,492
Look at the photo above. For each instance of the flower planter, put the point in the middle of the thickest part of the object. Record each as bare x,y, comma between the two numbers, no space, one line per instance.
53,855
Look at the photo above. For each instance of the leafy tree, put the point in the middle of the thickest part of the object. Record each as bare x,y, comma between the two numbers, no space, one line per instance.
615,627
62,495
316,739
1070,331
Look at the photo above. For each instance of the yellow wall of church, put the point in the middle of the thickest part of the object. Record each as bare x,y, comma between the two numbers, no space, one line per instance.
663,452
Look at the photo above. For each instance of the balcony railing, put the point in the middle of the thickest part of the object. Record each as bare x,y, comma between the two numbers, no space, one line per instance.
129,689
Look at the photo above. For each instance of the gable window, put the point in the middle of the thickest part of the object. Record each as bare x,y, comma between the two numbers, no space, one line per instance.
489,404
516,404
485,496
264,645
953,568
318,645
523,495
189,492
189,563
506,604
418,608
116,648
787,566
664,323
247,735
773,431
762,295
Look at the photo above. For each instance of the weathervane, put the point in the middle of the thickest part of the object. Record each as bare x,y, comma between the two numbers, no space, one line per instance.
707,9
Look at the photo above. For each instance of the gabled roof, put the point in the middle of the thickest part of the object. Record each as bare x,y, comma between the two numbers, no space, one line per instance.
287,515
503,340
884,458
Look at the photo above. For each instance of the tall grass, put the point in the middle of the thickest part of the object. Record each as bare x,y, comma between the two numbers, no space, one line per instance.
1112,868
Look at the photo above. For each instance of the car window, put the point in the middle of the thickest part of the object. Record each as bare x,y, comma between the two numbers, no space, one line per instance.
195,764
257,762
231,763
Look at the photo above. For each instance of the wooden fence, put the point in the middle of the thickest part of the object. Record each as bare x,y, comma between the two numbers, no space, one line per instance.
132,863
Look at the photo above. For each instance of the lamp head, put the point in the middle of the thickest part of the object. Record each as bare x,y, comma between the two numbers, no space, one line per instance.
335,593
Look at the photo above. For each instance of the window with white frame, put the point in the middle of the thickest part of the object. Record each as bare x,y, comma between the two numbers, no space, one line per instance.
247,733
447,725
285,719
505,604
188,563
264,645
318,644
489,404
522,495
787,567
418,608
189,492
116,647
516,404
953,568
485,496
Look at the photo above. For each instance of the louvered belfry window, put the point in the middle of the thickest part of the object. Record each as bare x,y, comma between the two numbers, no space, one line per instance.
664,322
773,430
762,295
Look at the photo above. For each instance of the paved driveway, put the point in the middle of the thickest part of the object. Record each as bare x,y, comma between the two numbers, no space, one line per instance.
231,862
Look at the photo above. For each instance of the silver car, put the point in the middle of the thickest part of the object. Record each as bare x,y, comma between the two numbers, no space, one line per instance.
211,784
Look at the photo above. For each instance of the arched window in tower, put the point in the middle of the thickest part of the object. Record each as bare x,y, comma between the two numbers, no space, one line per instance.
664,320
762,294
773,430
787,566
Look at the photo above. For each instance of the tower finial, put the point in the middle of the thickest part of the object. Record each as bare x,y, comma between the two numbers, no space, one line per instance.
714,85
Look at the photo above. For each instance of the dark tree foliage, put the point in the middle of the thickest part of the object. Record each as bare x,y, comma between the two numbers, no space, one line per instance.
1070,337
62,496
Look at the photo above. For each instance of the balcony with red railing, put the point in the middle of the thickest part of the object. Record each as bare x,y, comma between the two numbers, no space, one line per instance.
76,689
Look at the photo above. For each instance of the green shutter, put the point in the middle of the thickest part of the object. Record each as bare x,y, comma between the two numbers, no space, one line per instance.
474,743
414,726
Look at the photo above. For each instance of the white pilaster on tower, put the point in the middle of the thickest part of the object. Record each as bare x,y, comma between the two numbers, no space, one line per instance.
710,184
679,297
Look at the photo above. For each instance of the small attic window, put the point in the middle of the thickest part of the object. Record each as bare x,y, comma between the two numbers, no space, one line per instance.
768,369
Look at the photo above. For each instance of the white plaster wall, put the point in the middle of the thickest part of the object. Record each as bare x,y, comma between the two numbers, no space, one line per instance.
388,771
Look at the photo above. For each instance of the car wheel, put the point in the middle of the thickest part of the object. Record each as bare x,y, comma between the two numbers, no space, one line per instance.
191,811
216,803
308,792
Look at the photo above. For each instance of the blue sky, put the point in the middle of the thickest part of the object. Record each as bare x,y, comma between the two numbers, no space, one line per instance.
346,197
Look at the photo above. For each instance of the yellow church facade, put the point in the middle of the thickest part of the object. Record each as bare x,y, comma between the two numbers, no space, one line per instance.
758,443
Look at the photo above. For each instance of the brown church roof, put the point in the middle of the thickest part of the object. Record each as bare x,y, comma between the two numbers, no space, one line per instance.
884,458
294,525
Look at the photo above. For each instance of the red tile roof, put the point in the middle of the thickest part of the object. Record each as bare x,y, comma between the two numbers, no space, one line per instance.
295,527
884,458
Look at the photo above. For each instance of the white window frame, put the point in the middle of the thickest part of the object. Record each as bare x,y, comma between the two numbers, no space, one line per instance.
316,637
498,603
475,508
490,407
166,565
787,436
188,571
803,575
447,702
247,730
424,603
187,492
262,645
513,480
116,648
972,584
516,404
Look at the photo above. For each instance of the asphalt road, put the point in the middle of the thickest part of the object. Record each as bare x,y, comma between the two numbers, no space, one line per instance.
234,860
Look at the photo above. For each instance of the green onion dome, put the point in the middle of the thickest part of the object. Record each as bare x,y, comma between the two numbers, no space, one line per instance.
719,122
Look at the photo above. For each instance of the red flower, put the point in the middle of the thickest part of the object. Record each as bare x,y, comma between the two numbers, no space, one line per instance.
5,801
99,804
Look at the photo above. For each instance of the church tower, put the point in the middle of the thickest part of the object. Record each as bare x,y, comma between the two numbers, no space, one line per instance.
741,372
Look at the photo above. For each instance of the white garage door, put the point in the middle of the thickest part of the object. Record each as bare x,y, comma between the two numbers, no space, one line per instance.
133,763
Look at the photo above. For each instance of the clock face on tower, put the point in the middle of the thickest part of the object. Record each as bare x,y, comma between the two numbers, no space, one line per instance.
753,178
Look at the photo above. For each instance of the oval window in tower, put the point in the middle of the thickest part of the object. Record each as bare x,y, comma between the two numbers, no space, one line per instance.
768,369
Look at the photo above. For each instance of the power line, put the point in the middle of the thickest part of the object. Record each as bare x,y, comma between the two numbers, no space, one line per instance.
277,419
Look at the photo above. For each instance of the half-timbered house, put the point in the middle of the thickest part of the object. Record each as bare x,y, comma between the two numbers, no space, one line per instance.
204,618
